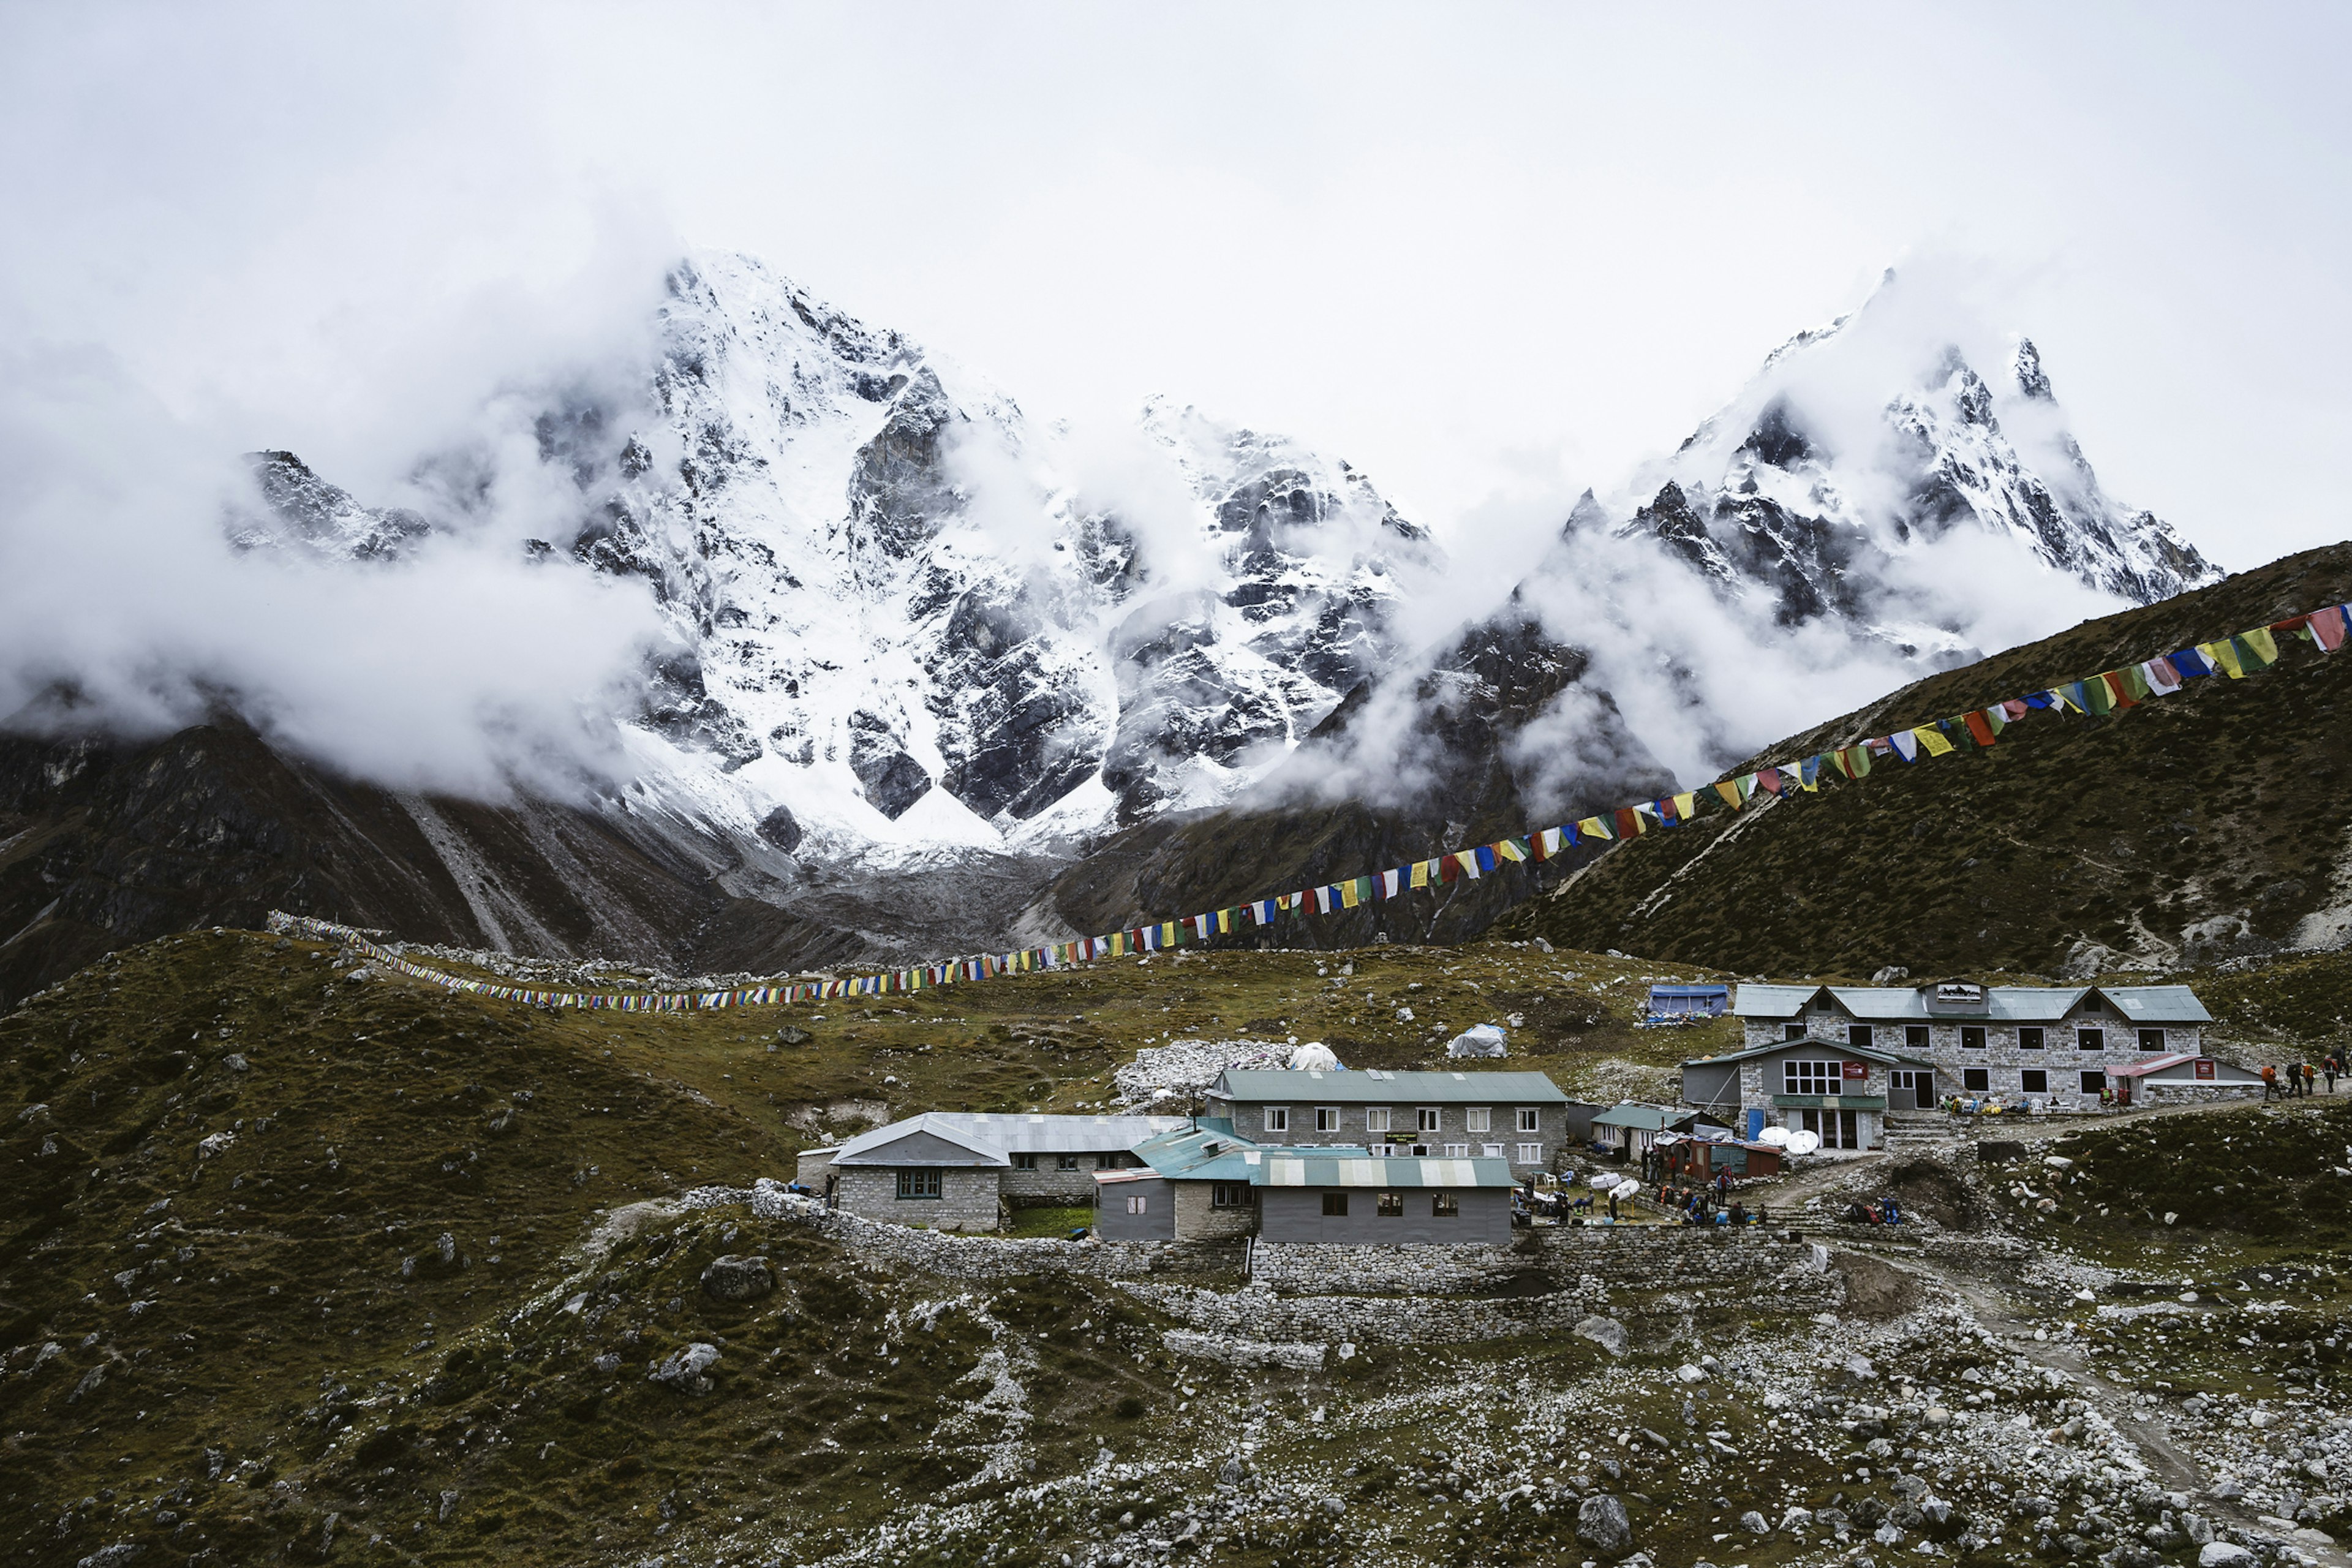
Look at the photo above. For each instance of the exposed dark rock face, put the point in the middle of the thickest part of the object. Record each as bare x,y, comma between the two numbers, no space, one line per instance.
301,509
781,829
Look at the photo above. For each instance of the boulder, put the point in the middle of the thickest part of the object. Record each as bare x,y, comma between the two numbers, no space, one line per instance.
1606,1332
737,1278
2223,1555
1601,1525
686,1369
1755,1524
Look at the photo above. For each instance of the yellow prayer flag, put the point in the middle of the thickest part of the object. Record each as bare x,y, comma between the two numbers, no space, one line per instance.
1685,805
1933,739
1419,874
1347,893
1593,828
1730,793
2224,657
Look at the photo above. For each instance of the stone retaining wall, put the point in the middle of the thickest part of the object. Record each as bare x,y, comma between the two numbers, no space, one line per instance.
998,1257
1364,1320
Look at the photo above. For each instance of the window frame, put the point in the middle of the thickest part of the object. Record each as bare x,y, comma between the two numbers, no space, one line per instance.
1065,1161
2158,1047
1137,1203
1376,1118
1334,1206
2085,1077
1975,1080
1530,1154
1025,1162
2026,1087
1429,1119
1326,1118
1531,1119
1389,1206
1457,1152
1796,1072
2090,1039
921,1183
1858,1037
1478,1119
1918,1037
1445,1206
1791,1032
2039,1041
1278,1118
1230,1194
1973,1037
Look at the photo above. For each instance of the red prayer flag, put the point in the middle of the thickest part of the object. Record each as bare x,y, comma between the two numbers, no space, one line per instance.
1980,729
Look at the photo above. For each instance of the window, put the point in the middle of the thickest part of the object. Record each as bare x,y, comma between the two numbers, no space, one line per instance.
1478,1119
1531,1119
2029,1038
1836,1129
1792,1031
1858,1035
2094,1081
2034,1081
2091,1039
1445,1206
1915,1037
1809,1077
1458,1151
1024,1162
1326,1118
1137,1203
918,1183
1065,1161
1428,1118
1975,1080
1229,1195
2095,1003
1277,1118
1107,1162
1495,1150
1529,1153
1334,1206
2151,1039
1912,1090
1972,1037
1376,1120
1391,1206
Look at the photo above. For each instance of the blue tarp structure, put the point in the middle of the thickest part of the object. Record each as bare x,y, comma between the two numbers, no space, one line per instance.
1693,1001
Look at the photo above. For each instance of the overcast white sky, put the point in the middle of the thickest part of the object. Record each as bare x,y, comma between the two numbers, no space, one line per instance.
1481,250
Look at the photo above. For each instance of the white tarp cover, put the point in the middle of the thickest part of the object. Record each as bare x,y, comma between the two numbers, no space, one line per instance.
1479,1040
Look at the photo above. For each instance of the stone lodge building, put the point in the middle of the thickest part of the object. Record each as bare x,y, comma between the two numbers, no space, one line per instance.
2053,1045
1519,1118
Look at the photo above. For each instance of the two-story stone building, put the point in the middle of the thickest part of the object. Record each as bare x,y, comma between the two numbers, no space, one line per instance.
1840,1092
2049,1044
1520,1117
1203,1181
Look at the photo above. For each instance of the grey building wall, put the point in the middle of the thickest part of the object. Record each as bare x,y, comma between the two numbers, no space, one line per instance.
967,1199
1049,1183
1453,1126
1199,1219
1156,1222
1296,1214
1715,1088
2001,1059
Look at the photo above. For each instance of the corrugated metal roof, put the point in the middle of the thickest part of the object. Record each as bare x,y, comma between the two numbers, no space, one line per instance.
1283,1087
932,1123
2171,1060
1891,1058
1347,1169
1690,990
2004,1003
1008,1133
1204,1154
1641,1117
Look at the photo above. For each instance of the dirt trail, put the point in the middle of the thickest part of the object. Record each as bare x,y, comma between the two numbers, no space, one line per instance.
2173,1466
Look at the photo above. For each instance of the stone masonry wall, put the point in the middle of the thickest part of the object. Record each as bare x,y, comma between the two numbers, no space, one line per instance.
967,1199
2001,1056
1196,1216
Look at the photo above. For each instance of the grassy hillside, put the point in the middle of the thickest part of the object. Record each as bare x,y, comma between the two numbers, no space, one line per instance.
2192,827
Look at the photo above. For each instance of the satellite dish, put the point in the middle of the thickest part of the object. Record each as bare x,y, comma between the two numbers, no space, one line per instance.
1804,1143
1605,1179
1625,1189
1775,1136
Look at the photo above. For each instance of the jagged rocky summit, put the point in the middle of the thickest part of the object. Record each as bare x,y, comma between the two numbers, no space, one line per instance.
1810,487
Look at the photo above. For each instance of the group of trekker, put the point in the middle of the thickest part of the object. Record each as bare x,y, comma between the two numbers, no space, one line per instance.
2294,1080
1709,1204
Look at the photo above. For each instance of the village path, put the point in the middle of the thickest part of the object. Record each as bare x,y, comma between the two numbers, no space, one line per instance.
2174,1466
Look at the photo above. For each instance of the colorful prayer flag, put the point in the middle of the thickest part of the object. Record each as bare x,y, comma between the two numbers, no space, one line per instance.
1392,883
1980,727
1906,745
1933,739
2256,648
1686,805
1593,828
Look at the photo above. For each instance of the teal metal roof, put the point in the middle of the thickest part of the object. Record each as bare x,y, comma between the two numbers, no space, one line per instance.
1770,1047
1642,1118
1348,1168
1282,1087
1206,1153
